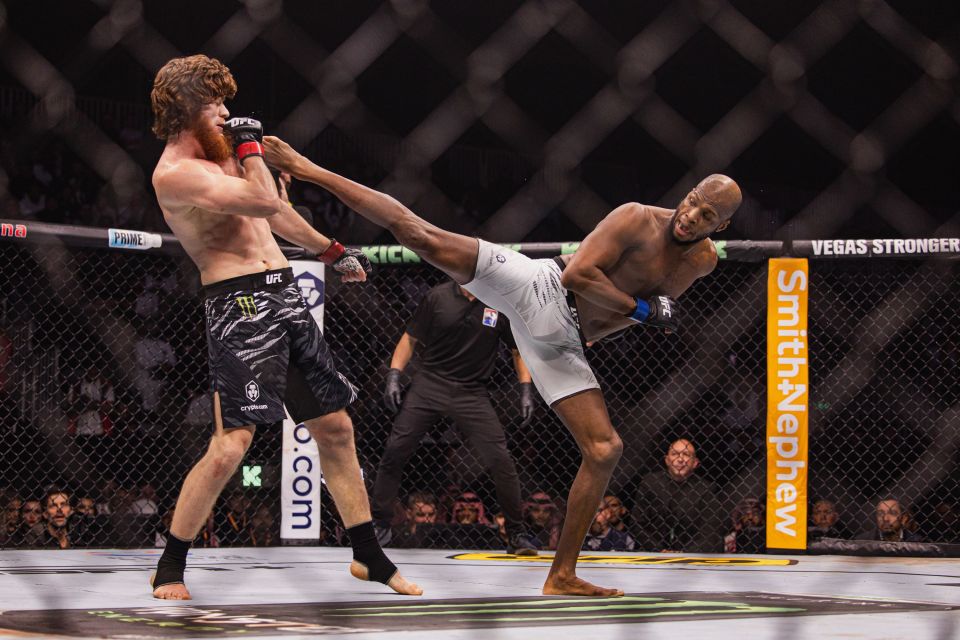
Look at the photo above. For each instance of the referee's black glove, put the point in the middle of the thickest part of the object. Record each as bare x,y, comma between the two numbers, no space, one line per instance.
392,394
527,403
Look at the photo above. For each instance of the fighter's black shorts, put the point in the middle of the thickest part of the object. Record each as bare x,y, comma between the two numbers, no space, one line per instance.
266,350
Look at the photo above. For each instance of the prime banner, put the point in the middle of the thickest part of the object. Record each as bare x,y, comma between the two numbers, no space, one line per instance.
787,402
300,476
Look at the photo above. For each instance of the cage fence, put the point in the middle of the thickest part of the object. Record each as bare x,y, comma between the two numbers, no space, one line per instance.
104,387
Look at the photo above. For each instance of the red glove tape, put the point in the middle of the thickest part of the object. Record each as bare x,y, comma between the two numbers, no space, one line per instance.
247,149
332,253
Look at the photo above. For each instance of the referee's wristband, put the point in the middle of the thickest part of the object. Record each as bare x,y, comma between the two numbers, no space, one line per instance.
642,312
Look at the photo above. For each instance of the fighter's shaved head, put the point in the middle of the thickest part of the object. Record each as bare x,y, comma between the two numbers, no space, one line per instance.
721,192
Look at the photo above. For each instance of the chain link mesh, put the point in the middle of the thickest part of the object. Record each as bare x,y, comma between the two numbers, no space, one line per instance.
82,326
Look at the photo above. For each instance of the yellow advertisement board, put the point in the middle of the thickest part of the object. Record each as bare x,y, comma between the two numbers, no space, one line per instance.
788,402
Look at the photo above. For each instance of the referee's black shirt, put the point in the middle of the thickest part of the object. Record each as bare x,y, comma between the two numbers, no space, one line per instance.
458,338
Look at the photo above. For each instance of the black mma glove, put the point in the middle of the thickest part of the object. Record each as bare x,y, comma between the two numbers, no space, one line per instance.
527,403
344,260
247,136
658,311
392,395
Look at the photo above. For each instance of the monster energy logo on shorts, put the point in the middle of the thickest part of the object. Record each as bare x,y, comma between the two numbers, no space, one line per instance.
248,306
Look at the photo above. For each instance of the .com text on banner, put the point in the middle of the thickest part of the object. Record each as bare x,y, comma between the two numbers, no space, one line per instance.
300,476
787,403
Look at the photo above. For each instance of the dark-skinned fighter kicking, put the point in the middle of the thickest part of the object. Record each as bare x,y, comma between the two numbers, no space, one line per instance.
627,271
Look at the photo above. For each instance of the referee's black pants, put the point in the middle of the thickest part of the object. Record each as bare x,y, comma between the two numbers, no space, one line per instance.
468,404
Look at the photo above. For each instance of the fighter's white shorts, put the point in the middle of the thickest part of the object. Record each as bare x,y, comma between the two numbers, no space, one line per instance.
529,292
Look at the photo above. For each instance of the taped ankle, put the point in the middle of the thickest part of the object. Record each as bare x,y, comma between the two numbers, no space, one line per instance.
367,551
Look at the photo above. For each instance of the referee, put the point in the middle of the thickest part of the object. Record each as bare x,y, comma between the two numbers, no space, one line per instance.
459,337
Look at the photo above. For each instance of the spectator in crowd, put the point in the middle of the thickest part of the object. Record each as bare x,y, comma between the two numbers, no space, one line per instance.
445,504
602,536
61,530
469,526
825,522
121,502
674,509
945,523
233,526
468,509
421,510
31,529
107,490
501,523
31,513
262,530
11,517
88,405
459,338
616,512
146,503
155,359
891,518
749,534
87,507
543,519
96,527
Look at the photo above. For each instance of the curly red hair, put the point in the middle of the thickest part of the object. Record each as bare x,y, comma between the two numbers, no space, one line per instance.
182,86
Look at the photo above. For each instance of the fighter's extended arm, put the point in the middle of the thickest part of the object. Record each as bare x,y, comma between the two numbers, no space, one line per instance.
351,264
290,225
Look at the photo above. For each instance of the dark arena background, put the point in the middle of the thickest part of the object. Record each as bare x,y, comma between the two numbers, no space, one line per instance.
524,123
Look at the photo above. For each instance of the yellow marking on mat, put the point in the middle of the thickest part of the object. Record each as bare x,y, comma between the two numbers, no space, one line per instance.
638,560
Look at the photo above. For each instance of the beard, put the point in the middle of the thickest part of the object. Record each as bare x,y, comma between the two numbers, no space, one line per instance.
673,236
215,144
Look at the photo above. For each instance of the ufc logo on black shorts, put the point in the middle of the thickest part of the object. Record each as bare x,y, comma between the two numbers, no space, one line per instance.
273,278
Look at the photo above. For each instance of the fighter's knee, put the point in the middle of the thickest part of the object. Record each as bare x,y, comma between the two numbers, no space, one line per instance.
225,456
333,431
605,452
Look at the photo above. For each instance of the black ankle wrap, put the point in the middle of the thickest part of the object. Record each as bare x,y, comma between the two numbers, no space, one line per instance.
367,551
172,563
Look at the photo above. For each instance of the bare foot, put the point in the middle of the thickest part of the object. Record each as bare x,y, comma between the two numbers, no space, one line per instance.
398,583
574,586
176,591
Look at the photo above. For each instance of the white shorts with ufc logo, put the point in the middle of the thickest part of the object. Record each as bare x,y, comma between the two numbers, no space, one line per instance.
529,292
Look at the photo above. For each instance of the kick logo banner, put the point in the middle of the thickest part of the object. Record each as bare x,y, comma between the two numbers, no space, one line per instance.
788,403
300,476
